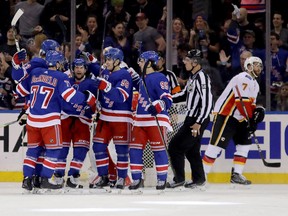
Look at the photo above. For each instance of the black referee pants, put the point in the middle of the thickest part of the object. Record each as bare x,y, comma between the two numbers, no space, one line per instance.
182,145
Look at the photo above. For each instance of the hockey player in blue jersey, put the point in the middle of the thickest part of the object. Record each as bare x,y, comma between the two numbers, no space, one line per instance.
153,102
115,120
47,88
75,122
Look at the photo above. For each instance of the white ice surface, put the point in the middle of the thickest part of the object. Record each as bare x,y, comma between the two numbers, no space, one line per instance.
218,199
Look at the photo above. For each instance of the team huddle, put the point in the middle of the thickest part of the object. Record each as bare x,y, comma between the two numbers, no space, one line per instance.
62,104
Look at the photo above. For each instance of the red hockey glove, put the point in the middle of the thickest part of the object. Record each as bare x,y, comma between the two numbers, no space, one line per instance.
18,58
156,107
103,84
90,99
90,57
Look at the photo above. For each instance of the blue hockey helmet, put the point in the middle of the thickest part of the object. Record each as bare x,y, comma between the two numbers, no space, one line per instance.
53,57
114,53
150,56
48,45
78,62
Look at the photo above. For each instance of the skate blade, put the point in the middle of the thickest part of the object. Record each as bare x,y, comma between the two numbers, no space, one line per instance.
100,190
235,186
178,189
48,191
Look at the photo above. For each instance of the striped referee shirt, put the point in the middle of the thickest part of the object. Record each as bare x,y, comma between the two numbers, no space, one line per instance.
198,96
173,82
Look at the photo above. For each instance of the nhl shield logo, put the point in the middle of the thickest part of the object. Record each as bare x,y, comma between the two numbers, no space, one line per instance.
190,86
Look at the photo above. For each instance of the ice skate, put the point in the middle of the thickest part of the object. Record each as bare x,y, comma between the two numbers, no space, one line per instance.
161,184
47,183
174,183
59,179
27,184
238,179
100,185
74,182
136,186
36,181
201,186
120,184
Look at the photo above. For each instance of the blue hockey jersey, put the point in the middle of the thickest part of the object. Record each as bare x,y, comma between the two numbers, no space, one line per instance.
21,73
80,110
47,89
116,104
158,88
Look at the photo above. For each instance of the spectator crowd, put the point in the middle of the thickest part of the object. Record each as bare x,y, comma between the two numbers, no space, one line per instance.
136,26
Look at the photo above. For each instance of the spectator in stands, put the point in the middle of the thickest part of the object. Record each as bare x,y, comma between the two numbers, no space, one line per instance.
255,8
183,76
279,69
93,33
89,7
240,22
224,65
239,44
204,39
33,45
6,86
152,10
180,35
9,48
281,99
280,30
117,13
147,37
30,20
4,19
117,39
55,13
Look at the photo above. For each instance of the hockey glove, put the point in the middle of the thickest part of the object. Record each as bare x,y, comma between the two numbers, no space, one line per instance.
103,84
22,117
90,99
18,58
257,117
236,11
90,57
156,107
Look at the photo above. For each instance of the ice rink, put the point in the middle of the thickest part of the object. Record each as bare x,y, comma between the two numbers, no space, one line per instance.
218,199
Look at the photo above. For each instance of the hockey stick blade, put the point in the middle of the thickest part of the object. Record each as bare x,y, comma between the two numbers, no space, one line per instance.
267,164
17,16
8,123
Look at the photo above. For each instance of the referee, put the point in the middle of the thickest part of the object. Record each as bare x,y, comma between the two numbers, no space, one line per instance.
198,96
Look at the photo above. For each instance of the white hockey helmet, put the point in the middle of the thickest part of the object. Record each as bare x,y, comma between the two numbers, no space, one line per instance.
250,61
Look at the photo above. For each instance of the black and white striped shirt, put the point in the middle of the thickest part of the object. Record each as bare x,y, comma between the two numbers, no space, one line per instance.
173,82
198,96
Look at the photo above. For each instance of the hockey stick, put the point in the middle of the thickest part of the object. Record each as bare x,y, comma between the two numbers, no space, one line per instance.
268,164
62,27
8,123
15,19
156,118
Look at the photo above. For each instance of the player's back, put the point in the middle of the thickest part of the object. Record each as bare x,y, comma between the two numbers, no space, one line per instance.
47,89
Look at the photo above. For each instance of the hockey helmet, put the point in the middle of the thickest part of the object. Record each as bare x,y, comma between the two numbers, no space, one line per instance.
114,53
79,62
53,57
48,45
195,55
250,61
150,56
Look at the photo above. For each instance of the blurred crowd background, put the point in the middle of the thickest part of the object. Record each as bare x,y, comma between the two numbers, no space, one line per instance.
135,26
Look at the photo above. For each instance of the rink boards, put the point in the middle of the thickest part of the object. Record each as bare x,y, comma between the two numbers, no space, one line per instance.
272,135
